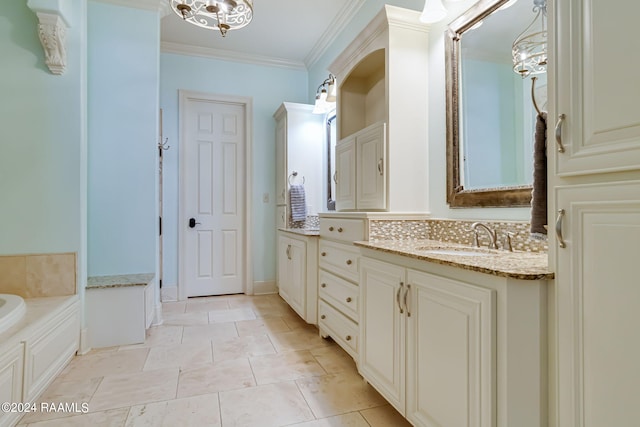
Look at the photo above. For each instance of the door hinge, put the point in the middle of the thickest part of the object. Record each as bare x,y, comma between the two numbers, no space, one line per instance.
160,226
160,282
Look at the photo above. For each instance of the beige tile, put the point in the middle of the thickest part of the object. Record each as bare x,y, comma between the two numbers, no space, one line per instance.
231,315
174,307
117,391
213,332
246,301
242,347
100,364
298,339
262,326
163,335
51,275
13,275
338,394
111,418
285,367
179,356
197,411
271,405
273,310
186,319
219,376
62,391
384,416
352,419
195,304
293,321
334,359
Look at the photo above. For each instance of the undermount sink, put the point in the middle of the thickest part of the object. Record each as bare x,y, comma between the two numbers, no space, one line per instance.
431,250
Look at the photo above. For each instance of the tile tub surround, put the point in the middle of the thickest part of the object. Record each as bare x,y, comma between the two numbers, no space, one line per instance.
517,265
454,231
38,275
270,369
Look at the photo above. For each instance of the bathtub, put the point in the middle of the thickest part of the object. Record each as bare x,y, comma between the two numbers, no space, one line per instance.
12,308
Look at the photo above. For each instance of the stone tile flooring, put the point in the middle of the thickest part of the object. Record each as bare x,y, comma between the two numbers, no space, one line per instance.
228,361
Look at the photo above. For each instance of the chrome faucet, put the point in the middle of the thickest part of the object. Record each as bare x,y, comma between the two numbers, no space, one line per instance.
493,237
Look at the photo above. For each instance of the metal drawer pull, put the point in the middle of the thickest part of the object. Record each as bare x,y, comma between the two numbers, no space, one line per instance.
323,317
398,297
348,337
381,167
335,177
349,262
331,228
405,300
323,254
339,229
289,251
348,299
559,123
324,285
561,242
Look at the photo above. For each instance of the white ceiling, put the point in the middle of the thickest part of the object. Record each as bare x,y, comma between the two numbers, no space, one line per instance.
290,33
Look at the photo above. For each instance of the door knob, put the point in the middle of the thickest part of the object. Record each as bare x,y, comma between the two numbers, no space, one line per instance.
192,222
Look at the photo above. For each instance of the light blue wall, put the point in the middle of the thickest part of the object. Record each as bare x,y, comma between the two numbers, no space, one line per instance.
123,81
41,137
268,87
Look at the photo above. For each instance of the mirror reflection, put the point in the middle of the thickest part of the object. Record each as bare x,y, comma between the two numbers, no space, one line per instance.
491,115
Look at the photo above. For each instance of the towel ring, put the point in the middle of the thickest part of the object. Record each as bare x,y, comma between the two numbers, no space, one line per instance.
293,175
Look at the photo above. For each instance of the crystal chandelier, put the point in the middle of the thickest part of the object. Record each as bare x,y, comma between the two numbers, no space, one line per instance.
222,15
529,50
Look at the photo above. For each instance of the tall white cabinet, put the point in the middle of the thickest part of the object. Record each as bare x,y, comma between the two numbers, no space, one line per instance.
595,193
300,137
382,149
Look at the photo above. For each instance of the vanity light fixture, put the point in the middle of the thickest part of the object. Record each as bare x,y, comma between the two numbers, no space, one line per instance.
433,12
325,96
222,15
529,50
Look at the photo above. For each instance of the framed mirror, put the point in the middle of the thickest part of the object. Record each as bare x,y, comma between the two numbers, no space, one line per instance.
490,113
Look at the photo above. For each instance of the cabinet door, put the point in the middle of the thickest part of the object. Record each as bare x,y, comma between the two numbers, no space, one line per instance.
346,174
451,352
281,161
596,84
371,180
292,261
598,309
382,329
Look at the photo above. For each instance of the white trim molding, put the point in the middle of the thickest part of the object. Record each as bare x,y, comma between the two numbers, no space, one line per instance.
52,30
154,5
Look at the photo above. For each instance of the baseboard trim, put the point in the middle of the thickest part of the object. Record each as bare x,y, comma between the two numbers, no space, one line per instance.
169,294
157,318
84,346
265,288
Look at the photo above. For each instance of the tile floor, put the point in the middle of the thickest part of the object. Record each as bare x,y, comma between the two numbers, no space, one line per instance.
224,361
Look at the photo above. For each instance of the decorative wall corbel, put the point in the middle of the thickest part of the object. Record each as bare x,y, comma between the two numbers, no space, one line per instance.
52,30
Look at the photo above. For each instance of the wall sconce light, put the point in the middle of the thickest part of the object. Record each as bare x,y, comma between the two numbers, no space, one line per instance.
325,96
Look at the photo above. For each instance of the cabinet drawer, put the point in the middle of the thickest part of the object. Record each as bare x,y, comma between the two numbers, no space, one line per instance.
348,230
339,327
341,294
339,259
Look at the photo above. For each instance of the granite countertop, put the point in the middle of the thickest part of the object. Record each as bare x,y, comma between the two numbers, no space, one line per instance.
518,265
119,281
302,231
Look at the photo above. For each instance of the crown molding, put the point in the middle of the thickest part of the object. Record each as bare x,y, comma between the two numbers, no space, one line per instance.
229,55
339,23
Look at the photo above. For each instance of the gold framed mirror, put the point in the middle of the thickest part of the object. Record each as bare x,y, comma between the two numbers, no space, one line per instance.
473,141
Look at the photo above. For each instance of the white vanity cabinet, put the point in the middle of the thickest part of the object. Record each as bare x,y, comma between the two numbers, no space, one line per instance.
299,146
297,273
428,344
382,148
595,200
453,347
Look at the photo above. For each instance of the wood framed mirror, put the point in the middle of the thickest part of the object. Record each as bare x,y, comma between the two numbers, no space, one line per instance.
489,131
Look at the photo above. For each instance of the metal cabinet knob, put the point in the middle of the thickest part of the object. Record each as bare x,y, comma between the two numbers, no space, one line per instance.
331,228
323,317
339,229
323,285
323,254
349,262
348,299
348,338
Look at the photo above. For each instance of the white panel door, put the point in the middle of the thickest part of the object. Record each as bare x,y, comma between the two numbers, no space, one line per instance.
382,329
213,194
345,175
371,179
598,305
597,89
450,349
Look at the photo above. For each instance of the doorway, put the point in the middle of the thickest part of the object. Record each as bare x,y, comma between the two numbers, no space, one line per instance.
215,177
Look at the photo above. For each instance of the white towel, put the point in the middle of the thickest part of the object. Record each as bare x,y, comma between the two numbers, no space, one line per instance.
298,202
